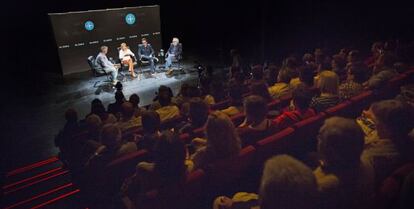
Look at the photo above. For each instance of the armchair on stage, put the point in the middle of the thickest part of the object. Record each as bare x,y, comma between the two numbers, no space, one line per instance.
97,70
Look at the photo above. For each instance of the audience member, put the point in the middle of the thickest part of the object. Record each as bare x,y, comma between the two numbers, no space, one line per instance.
165,174
286,183
151,130
167,110
383,71
339,67
301,98
393,121
255,125
344,181
236,101
222,141
198,114
281,88
134,99
328,86
115,108
261,89
353,84
306,76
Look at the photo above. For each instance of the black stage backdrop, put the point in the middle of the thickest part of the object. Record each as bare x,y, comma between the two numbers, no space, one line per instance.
80,34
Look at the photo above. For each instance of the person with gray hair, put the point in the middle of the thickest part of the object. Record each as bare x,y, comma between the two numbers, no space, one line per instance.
106,65
344,181
174,52
286,183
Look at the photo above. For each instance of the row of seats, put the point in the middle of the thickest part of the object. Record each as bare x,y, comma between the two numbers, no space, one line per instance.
225,176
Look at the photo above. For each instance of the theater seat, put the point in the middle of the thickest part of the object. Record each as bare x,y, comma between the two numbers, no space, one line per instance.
221,105
223,176
273,145
304,139
389,191
361,102
238,119
342,109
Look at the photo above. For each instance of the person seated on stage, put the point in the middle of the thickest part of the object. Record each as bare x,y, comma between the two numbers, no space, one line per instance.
282,87
134,99
197,115
173,53
255,125
115,108
286,183
167,110
236,100
146,52
222,141
344,180
128,119
151,123
328,84
301,98
127,58
106,65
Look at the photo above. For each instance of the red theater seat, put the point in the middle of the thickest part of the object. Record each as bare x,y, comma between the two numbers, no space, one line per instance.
272,145
221,105
342,109
389,191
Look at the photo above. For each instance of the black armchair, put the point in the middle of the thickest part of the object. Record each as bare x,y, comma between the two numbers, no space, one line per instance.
97,71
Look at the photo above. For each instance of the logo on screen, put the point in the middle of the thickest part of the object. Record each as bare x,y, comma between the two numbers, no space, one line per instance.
89,25
130,19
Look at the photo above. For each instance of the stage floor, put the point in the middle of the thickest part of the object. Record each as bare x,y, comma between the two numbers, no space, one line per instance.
34,124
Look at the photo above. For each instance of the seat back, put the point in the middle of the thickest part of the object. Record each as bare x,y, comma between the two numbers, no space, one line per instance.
94,68
273,145
342,109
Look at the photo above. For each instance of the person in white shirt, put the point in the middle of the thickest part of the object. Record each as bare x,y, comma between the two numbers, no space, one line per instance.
126,57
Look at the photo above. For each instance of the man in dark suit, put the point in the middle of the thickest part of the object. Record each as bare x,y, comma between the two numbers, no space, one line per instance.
174,52
146,52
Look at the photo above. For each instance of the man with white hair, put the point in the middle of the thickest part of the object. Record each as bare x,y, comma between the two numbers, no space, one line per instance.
174,52
103,62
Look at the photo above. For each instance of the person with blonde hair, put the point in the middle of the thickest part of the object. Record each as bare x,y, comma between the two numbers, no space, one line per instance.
126,57
222,141
328,84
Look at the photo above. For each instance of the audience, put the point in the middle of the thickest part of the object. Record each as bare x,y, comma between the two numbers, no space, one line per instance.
393,121
255,125
134,99
349,166
222,141
198,114
301,98
383,71
165,174
236,100
286,183
111,147
151,130
282,87
306,77
353,84
167,110
344,181
328,86
128,119
339,67
115,108
261,89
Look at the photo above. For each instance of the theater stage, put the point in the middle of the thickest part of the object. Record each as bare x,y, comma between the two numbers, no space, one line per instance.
36,121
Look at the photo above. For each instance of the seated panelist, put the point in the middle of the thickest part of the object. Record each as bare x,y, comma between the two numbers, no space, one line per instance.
146,52
103,62
126,57
174,52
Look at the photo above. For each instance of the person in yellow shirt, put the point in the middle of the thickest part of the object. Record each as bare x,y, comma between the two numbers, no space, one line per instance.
236,101
280,88
167,109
